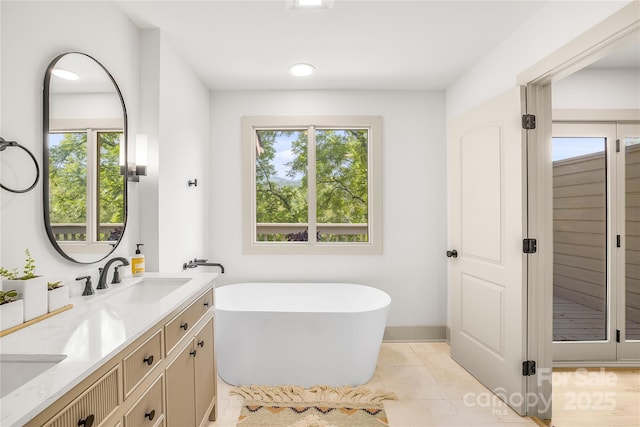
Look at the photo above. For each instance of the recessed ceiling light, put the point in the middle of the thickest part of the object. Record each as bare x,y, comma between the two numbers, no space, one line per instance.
309,4
302,70
64,74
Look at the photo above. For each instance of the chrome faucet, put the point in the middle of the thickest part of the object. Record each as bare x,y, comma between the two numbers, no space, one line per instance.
102,281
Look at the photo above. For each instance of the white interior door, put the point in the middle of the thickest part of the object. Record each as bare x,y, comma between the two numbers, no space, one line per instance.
486,278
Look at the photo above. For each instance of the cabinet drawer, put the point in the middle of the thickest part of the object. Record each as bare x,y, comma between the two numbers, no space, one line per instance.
149,409
178,327
139,363
93,406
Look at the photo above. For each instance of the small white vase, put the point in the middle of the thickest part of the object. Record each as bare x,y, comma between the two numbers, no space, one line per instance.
58,298
11,314
34,294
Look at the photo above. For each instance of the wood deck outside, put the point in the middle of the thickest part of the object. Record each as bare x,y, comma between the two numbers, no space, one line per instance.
577,322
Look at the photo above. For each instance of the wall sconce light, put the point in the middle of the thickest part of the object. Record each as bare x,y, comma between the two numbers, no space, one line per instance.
141,155
137,167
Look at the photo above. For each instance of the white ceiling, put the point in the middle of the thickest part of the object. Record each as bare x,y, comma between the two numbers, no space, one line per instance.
357,45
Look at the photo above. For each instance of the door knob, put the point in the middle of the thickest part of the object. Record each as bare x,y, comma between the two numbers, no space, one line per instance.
452,254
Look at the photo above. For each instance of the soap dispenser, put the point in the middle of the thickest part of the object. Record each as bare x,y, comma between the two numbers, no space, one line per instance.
137,262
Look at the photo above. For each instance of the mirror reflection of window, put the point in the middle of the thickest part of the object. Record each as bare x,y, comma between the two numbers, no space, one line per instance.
68,185
77,186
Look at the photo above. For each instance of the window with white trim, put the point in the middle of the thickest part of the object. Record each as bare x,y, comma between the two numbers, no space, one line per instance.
312,185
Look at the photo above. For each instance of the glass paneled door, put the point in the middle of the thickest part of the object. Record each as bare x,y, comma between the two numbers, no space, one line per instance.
629,224
594,304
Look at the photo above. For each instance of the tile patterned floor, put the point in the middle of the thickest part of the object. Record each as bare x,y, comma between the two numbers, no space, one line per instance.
433,390
430,387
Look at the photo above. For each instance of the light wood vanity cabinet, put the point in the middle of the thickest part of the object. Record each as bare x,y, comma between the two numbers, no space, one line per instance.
93,406
191,382
205,373
149,409
139,363
166,377
185,321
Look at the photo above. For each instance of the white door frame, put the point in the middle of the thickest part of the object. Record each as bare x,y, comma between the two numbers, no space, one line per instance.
618,30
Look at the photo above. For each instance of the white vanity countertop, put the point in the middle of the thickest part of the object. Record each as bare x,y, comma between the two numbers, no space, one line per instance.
89,334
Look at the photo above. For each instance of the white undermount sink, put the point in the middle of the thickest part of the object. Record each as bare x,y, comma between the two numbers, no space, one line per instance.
147,291
18,369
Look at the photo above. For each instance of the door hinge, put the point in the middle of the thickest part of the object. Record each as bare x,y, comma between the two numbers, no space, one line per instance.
617,335
529,246
618,241
617,145
528,368
528,121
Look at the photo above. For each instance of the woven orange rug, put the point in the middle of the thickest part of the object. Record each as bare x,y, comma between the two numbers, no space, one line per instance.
318,406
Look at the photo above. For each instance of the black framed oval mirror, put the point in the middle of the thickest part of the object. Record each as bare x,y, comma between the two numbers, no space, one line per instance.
84,146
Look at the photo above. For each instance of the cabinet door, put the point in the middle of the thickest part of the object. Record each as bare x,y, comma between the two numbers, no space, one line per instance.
93,406
204,371
181,389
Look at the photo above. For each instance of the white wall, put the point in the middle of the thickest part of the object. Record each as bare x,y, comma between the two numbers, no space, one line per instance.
1,133
33,34
598,88
164,100
173,216
550,28
184,155
412,268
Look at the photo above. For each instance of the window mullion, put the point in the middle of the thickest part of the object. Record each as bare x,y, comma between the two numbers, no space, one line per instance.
311,184
92,186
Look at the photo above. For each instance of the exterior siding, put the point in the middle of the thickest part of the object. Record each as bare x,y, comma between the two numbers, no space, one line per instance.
579,220
632,232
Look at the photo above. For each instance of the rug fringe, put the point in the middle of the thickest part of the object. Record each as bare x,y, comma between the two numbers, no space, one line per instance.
318,393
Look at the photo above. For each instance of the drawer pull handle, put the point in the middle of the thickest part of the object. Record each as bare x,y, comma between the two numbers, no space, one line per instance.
193,353
201,343
148,360
151,415
206,304
184,326
87,422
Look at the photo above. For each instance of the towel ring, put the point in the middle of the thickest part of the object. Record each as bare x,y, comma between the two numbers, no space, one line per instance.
3,146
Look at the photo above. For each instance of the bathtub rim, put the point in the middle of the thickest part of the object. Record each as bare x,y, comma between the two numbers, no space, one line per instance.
384,301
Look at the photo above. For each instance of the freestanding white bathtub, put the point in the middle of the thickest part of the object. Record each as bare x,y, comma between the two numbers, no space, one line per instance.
299,333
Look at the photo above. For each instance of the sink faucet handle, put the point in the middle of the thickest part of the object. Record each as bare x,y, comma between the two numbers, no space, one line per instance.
116,276
197,260
88,289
